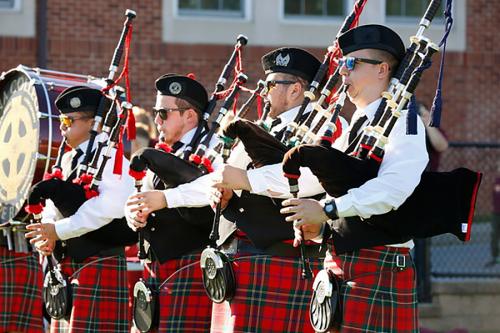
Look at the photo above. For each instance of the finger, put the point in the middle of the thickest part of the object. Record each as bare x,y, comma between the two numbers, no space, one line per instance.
135,209
215,200
138,224
35,240
294,217
33,226
32,234
291,202
289,209
136,201
298,222
296,243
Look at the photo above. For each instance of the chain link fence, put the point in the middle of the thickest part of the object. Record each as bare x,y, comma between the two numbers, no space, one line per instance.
445,257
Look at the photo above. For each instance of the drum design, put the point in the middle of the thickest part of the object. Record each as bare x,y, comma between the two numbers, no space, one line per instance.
29,136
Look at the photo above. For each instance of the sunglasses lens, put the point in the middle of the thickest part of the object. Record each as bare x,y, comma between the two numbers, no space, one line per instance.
66,121
162,113
350,62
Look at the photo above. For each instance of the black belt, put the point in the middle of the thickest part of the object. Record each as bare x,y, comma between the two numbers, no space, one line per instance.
240,245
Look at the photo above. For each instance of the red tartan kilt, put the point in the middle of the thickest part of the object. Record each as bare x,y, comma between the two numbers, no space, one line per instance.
100,296
184,305
21,283
270,297
381,302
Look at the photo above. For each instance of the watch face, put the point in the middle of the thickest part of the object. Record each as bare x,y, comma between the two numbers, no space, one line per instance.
328,207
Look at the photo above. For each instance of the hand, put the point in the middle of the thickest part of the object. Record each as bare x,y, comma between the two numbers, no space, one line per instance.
135,216
231,178
305,211
222,195
43,233
147,202
307,232
45,247
136,220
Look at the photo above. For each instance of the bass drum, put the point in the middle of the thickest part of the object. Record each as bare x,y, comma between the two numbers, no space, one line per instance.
29,129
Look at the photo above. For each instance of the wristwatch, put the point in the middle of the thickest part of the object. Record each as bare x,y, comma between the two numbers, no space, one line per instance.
330,209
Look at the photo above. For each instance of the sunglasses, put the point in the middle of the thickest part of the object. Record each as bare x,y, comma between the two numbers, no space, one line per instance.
272,83
68,120
163,112
350,62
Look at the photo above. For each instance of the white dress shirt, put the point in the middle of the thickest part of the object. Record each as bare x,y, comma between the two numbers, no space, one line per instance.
404,161
97,211
269,180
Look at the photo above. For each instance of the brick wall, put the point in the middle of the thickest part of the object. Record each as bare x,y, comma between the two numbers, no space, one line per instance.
82,36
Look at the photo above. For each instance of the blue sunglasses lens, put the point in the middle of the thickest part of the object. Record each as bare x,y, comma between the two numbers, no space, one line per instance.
348,62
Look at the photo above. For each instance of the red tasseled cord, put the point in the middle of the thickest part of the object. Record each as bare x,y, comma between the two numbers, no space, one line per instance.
163,146
259,106
137,175
56,173
34,209
89,193
117,169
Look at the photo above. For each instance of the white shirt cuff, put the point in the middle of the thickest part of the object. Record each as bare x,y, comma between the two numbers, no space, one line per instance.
256,178
344,206
174,198
64,229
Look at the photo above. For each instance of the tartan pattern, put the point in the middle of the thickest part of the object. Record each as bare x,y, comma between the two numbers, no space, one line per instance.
381,302
184,305
100,297
21,281
271,296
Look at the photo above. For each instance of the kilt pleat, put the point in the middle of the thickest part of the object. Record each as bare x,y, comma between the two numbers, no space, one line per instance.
184,305
271,296
21,281
100,296
380,297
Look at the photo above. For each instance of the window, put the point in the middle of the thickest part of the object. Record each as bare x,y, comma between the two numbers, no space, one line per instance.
314,8
8,4
228,8
404,10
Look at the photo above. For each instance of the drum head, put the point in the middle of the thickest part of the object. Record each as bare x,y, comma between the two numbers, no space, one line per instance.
19,137
29,136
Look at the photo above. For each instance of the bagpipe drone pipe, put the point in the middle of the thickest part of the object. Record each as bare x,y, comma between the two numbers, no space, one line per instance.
173,169
68,197
176,169
443,202
265,149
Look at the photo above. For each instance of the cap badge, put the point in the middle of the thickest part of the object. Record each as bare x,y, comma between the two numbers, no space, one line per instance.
282,61
75,102
175,88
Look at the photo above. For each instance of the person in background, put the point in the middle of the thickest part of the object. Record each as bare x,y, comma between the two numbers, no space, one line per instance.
146,133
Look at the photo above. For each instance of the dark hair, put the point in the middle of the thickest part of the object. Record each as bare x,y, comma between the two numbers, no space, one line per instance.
387,58
182,103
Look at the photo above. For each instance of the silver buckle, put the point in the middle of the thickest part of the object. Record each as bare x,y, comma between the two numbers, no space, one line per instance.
400,261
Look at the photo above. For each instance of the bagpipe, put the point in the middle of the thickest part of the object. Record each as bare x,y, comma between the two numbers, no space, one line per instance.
69,196
175,169
262,147
443,202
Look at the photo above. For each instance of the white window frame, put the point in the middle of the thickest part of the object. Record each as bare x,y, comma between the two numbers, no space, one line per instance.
15,8
411,20
311,19
213,15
